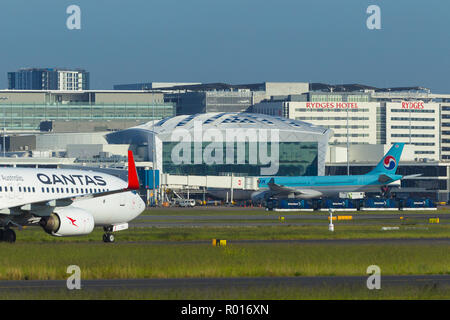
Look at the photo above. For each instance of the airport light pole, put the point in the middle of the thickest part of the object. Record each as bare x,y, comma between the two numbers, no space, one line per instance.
153,155
410,126
4,142
231,193
4,128
348,152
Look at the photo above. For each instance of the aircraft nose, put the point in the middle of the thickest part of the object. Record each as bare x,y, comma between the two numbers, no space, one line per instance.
139,206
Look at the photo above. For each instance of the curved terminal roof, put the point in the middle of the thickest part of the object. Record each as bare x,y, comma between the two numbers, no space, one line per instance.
289,131
221,120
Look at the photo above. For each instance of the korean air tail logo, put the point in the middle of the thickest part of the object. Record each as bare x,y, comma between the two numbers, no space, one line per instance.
389,163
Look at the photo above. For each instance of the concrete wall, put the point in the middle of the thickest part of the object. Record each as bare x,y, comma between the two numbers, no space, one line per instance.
22,143
364,153
91,150
11,97
74,126
128,98
59,141
286,88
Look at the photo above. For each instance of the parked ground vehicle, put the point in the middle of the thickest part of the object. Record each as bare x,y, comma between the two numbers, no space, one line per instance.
185,203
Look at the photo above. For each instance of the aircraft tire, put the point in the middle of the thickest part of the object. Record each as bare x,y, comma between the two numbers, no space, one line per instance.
9,236
108,238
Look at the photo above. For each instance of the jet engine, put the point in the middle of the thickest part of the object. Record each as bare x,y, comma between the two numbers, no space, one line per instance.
68,221
260,196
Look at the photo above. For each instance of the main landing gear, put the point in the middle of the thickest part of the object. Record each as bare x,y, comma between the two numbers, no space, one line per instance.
108,237
7,235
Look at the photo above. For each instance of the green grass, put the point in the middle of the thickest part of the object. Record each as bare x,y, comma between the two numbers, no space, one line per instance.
120,261
252,293
283,231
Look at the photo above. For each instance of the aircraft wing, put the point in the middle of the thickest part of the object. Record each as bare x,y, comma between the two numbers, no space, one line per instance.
44,208
280,190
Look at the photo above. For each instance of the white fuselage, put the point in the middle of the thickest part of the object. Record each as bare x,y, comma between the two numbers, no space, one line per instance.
20,187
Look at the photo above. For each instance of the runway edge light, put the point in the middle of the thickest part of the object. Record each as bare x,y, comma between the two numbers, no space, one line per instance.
331,225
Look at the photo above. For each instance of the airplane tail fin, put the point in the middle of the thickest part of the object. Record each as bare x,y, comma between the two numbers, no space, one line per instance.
389,162
133,180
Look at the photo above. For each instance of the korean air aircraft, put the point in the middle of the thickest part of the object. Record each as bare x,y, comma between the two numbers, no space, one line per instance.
328,186
67,202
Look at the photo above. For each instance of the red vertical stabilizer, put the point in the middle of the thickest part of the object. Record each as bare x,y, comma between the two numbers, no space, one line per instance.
133,181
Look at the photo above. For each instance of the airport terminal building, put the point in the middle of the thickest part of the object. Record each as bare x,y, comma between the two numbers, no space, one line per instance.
358,119
242,144
26,110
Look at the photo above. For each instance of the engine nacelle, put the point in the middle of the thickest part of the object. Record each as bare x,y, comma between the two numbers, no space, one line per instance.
260,196
69,221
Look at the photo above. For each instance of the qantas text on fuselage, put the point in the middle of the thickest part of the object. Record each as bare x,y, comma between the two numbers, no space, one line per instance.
72,179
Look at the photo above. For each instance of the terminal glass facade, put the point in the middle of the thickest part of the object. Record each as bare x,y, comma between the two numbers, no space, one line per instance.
295,159
29,116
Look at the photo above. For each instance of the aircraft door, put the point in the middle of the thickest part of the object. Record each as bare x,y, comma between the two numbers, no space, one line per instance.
122,199
10,194
19,191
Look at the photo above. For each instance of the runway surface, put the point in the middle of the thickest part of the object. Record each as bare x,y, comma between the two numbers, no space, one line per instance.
291,216
406,241
223,283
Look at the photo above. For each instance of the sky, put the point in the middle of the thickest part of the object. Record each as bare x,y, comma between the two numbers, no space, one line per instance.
233,41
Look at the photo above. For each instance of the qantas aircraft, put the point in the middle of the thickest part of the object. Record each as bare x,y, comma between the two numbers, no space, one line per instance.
327,186
67,202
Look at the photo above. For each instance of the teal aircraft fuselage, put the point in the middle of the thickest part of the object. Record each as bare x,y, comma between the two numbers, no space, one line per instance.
308,187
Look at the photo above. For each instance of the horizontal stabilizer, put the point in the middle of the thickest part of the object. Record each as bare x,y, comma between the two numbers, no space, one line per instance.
412,176
382,178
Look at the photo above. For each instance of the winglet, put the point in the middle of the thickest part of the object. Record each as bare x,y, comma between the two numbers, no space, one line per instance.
133,181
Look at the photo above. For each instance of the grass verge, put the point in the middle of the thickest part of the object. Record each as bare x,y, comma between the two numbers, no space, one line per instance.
123,261
284,231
